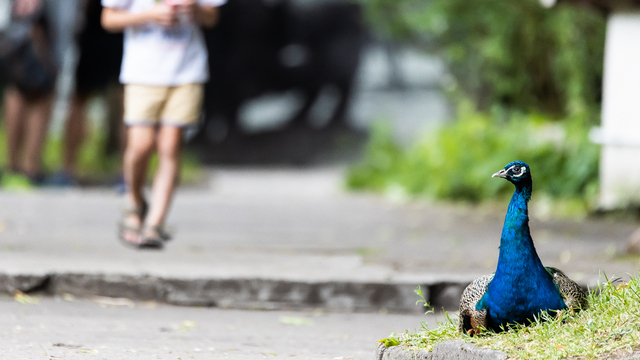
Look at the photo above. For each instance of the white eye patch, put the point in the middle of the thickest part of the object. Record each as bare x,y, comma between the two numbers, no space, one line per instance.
521,172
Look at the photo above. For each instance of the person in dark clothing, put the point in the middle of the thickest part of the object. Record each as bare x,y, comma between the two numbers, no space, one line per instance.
43,30
96,73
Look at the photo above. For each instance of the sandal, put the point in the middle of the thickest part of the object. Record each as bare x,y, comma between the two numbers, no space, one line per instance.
153,237
123,228
163,232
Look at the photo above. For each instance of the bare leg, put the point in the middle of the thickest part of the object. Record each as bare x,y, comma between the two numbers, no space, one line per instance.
164,184
140,140
74,133
37,123
140,144
14,106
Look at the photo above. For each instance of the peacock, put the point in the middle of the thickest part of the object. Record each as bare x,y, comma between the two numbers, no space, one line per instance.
521,288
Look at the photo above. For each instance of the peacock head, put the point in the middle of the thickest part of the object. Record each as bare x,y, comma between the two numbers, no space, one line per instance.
517,172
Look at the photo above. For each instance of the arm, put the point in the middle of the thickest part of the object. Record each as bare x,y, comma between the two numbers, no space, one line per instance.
115,20
207,16
24,8
204,15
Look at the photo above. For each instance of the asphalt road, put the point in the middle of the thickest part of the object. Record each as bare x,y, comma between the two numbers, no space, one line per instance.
100,328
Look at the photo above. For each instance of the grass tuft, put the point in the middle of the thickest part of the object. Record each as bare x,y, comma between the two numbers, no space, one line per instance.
609,327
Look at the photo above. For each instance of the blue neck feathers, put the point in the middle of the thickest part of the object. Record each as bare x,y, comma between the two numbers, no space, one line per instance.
521,287
516,244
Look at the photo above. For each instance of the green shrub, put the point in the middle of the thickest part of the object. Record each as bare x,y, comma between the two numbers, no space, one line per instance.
456,162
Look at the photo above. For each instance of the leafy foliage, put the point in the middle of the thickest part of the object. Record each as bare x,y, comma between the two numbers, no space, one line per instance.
392,340
457,161
610,325
512,53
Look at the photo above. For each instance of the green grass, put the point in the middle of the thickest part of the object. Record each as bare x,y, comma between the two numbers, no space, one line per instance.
610,326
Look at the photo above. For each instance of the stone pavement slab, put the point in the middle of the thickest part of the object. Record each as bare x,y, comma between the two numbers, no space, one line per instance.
278,238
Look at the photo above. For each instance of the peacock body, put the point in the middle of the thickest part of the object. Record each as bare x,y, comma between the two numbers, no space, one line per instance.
521,287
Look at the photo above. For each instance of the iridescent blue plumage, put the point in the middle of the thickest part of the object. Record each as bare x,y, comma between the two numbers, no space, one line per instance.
521,287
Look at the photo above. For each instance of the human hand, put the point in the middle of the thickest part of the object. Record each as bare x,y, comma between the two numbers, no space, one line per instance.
25,7
163,14
186,9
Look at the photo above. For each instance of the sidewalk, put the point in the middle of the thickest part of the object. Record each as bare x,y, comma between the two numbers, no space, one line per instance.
280,238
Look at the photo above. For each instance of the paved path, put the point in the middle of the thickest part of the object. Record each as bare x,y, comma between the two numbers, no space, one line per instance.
282,227
82,329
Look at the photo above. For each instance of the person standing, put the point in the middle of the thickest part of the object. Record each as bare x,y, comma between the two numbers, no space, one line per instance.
96,74
164,68
41,33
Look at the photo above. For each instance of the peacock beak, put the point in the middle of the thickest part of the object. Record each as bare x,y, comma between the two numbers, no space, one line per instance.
501,174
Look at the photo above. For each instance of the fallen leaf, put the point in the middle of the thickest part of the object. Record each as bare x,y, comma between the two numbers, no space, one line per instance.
115,302
293,320
560,347
23,298
622,286
150,304
186,326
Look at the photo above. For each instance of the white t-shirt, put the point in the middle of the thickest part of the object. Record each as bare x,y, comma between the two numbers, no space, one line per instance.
157,55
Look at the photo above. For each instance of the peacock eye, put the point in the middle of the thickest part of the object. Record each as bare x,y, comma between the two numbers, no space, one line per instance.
516,169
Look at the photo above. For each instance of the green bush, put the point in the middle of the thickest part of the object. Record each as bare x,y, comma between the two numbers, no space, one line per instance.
512,53
457,161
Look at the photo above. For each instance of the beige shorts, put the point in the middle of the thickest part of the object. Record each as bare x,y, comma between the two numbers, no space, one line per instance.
149,105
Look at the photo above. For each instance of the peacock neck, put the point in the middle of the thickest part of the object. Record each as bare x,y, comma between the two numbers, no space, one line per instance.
521,287
516,246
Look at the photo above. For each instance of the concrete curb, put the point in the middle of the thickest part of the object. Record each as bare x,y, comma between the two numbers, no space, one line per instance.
451,350
254,293
247,293
459,350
